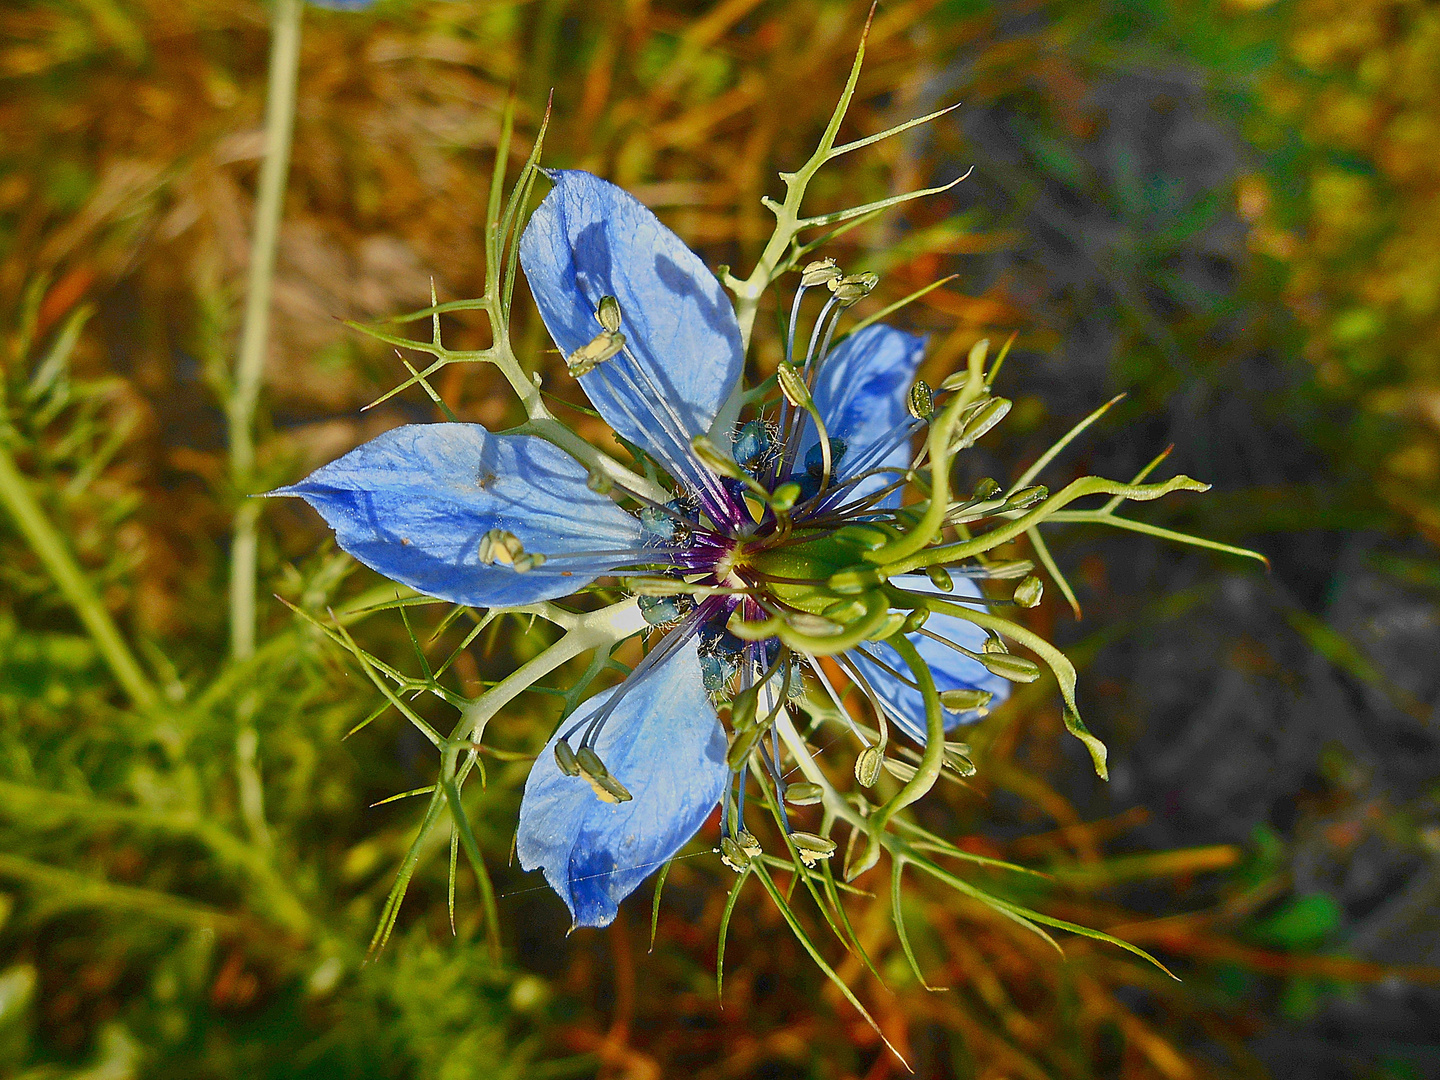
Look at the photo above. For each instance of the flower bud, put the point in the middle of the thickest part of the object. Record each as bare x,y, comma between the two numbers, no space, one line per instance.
964,700
854,580
921,400
819,272
1029,591
1015,668
982,420
940,578
565,759
792,385
804,794
867,766
608,313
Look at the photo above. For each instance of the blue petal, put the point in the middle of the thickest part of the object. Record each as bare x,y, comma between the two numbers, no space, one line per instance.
414,503
664,743
860,393
951,670
590,239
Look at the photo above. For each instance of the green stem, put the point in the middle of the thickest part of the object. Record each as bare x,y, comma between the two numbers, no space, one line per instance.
255,331
51,550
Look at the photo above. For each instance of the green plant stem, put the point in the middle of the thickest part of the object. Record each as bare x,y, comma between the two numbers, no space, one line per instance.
52,551
255,331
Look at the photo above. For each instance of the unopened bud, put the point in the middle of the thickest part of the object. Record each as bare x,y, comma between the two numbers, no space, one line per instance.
940,578
921,400
565,759
608,313
792,385
595,352
804,794
1015,668
819,272
867,766
982,420
712,458
1029,591
964,700
854,580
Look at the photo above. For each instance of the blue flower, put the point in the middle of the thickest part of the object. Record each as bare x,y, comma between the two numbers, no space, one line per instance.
759,526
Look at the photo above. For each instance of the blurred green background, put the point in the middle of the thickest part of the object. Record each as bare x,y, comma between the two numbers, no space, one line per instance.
1230,211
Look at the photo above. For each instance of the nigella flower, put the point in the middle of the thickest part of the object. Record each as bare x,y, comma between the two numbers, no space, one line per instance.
749,571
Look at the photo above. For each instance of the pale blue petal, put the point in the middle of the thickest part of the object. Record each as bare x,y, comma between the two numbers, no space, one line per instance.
860,393
590,239
951,670
414,503
664,743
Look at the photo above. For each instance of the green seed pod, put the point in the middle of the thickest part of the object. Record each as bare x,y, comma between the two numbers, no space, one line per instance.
862,537
565,759
740,746
854,580
901,770
595,352
1029,591
985,489
957,757
982,420
867,766
845,611
784,496
915,620
743,708
804,794
792,385
733,855
963,700
590,763
940,578
921,400
713,459
1027,497
1015,668
813,625
892,624
812,848
819,272
608,313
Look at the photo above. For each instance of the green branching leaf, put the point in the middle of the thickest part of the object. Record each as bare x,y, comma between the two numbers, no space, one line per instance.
1042,552
871,140
391,911
426,790
886,312
477,863
837,216
802,936
1070,436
